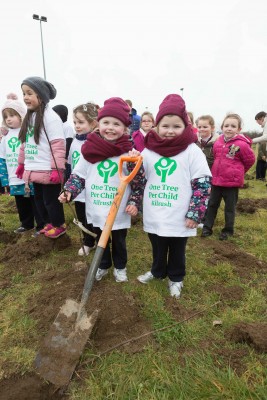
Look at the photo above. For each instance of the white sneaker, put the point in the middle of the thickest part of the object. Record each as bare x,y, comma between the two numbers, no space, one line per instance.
175,289
120,275
145,278
86,251
100,273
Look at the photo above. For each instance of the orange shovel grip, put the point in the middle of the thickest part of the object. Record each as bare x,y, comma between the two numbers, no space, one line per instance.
138,160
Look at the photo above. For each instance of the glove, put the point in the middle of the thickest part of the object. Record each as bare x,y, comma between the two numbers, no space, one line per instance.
56,176
20,171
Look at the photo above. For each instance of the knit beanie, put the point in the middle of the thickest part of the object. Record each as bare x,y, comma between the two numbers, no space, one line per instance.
62,111
173,104
13,103
117,108
45,90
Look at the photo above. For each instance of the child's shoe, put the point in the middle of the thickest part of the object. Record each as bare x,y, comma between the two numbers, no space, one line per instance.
175,289
21,229
46,228
55,232
101,273
120,275
145,278
85,250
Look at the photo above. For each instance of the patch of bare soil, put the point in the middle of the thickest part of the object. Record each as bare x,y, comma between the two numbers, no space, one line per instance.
120,318
244,264
8,237
250,206
254,334
229,294
24,248
234,358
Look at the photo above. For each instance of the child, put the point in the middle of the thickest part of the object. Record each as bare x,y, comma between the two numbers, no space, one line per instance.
191,120
206,136
147,122
233,157
42,154
63,111
176,192
97,172
13,112
84,118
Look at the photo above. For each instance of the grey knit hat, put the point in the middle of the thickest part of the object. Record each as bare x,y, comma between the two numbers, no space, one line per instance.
45,90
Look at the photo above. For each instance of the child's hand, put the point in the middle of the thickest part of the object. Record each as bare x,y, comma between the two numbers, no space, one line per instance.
65,197
20,171
131,210
189,223
56,176
134,153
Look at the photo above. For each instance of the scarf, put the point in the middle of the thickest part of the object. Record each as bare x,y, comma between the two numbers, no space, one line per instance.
96,149
170,147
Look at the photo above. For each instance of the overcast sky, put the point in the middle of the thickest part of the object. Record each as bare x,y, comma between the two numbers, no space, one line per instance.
142,50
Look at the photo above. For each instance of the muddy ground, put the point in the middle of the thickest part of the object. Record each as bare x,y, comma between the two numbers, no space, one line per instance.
120,315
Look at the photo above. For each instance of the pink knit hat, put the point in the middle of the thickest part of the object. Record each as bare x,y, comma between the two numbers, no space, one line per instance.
117,108
173,104
13,103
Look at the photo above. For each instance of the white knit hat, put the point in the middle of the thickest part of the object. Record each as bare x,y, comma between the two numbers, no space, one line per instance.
13,103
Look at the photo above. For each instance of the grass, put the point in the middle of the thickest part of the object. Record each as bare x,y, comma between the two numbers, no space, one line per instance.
186,362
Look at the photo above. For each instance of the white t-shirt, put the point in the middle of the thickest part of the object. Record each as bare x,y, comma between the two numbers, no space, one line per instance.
101,184
38,156
74,156
9,150
168,190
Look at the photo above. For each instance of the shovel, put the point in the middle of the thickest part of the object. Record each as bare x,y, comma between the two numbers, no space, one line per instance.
65,341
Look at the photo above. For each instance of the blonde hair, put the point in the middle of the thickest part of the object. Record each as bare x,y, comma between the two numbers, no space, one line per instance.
234,116
207,118
88,110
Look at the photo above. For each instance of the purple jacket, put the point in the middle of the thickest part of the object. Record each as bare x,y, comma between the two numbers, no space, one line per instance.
231,160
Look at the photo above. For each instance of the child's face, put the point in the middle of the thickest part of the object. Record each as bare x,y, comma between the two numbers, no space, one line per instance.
170,126
111,128
205,129
81,125
230,128
146,123
12,119
260,121
30,98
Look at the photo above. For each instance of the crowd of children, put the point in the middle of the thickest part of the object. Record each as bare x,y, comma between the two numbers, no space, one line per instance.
187,170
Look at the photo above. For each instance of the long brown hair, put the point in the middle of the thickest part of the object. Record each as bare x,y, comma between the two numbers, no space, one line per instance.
38,124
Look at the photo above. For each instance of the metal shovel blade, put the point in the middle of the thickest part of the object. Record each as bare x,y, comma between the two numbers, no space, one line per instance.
64,344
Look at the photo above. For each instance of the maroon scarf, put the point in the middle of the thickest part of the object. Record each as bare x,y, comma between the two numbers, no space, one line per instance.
170,147
96,149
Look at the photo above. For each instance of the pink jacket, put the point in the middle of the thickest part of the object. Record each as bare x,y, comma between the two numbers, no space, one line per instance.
231,160
58,148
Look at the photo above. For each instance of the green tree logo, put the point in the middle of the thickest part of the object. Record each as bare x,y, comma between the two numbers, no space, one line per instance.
75,158
107,169
29,133
165,166
13,143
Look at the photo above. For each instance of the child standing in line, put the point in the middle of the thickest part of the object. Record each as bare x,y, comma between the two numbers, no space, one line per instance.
206,136
176,192
233,157
147,123
42,153
97,172
85,121
13,112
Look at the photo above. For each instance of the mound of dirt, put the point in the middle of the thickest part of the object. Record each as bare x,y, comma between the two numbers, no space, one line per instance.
8,237
24,248
250,206
254,334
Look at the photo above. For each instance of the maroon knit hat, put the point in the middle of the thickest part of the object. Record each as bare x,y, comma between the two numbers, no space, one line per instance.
173,104
117,108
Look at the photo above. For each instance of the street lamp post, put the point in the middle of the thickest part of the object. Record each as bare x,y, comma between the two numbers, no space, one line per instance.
182,91
41,19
